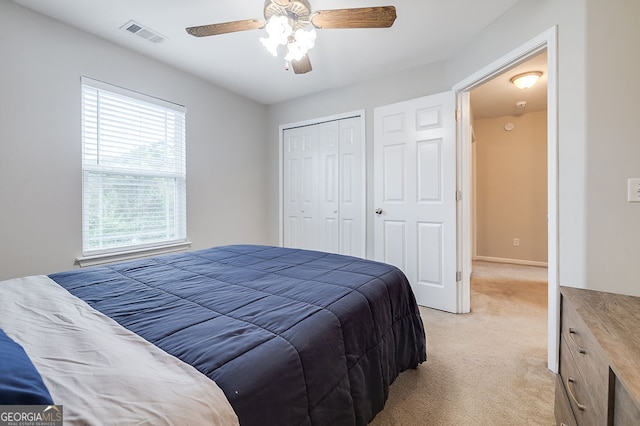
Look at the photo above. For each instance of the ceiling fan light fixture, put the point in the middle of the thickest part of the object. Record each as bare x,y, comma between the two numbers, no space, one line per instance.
271,45
281,33
303,41
279,30
526,80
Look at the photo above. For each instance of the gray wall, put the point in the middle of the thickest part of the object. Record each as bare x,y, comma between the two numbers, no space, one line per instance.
366,96
40,143
233,191
612,144
597,134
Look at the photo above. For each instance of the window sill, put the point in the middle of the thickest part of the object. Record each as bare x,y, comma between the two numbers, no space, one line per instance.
101,259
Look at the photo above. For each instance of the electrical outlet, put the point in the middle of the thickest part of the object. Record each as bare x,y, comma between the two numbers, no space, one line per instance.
516,242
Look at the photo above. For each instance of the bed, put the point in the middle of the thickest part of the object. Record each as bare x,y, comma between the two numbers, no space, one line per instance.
290,337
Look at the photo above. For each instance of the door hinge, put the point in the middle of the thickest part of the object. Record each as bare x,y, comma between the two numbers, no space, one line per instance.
458,276
458,115
458,195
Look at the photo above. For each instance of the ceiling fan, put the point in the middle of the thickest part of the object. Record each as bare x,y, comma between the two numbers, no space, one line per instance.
291,23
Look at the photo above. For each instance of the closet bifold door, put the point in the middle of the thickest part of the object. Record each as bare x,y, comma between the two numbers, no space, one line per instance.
299,187
327,238
352,188
323,187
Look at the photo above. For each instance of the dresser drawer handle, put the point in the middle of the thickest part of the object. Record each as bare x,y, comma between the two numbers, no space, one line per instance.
569,381
573,331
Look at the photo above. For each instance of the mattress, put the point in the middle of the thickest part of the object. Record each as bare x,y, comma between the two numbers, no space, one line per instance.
290,336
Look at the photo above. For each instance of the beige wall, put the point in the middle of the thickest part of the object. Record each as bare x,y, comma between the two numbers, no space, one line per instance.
511,188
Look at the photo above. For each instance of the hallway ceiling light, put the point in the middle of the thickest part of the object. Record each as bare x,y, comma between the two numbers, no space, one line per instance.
526,80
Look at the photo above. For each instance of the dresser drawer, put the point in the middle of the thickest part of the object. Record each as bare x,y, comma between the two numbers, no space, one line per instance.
625,408
600,351
562,409
578,392
590,362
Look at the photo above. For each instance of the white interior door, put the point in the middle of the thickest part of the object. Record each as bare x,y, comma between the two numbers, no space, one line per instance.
415,195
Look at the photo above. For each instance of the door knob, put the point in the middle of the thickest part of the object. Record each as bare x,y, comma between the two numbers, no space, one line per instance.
378,211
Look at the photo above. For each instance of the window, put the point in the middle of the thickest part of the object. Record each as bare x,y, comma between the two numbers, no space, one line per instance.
133,170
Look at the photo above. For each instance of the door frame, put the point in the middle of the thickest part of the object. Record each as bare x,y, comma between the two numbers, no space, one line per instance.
545,41
352,114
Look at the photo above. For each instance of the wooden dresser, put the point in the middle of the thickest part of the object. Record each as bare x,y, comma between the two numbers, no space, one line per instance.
599,379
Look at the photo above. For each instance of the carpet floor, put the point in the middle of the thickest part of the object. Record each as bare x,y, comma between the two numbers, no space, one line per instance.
488,367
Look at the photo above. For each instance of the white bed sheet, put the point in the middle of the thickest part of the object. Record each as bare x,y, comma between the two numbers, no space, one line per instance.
99,371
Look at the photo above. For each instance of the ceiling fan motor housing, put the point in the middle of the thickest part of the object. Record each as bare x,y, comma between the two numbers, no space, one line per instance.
298,11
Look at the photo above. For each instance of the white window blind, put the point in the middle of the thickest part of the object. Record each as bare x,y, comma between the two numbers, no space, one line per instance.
133,170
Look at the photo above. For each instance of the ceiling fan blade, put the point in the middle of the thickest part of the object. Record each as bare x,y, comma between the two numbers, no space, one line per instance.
225,27
363,17
302,66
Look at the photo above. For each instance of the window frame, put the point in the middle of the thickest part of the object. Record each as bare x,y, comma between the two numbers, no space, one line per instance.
178,241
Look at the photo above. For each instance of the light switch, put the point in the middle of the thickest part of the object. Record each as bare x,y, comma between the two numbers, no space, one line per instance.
633,190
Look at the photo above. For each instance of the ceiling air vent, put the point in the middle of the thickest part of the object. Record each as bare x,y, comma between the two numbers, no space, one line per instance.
144,32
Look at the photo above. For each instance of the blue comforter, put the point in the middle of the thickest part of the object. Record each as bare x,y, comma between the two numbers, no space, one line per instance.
292,337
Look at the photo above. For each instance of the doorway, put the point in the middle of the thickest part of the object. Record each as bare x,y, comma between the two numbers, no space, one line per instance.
509,167
509,189
544,42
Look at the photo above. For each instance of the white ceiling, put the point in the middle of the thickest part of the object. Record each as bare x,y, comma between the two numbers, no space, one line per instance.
425,31
499,96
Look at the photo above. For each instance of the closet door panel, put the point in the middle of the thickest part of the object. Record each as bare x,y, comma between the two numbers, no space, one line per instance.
300,187
291,187
328,151
352,188
324,188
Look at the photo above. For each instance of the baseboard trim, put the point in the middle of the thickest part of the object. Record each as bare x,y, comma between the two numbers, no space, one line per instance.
512,261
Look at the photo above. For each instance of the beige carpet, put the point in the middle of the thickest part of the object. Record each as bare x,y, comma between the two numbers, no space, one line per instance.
488,367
